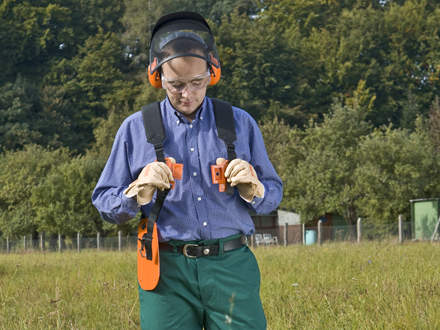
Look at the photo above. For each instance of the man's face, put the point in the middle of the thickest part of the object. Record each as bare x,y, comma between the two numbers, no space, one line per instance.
185,80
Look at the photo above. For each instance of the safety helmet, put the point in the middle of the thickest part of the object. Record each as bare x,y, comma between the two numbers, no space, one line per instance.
182,34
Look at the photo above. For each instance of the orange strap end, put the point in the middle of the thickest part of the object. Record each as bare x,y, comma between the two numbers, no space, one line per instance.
148,270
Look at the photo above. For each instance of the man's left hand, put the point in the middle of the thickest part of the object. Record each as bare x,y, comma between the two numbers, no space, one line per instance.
241,174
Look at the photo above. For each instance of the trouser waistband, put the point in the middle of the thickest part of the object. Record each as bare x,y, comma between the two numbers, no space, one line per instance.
196,249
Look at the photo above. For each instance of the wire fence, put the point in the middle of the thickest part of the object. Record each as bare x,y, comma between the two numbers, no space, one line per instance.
281,235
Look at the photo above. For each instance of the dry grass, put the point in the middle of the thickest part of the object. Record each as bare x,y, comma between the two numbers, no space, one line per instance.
335,286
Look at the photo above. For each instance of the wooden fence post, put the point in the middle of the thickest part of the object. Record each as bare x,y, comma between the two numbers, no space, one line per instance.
400,228
303,233
119,240
286,226
24,242
59,242
7,244
78,241
359,229
42,241
320,232
98,236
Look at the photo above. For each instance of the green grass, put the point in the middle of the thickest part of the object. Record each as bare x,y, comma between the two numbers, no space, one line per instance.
334,286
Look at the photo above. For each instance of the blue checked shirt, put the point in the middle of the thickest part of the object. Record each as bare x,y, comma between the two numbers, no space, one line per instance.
194,209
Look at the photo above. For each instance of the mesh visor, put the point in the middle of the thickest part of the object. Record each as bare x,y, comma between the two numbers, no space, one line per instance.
183,37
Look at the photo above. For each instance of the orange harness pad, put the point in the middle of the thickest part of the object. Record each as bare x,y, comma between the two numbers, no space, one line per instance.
218,175
148,270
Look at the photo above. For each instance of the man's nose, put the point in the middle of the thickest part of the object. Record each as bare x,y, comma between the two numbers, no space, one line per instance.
185,90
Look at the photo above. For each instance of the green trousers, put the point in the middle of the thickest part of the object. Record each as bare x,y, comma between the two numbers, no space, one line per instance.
215,292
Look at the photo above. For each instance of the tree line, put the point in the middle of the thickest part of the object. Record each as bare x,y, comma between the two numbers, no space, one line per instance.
346,93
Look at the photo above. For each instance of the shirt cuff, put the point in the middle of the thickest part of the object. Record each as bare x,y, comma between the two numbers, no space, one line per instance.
256,201
129,203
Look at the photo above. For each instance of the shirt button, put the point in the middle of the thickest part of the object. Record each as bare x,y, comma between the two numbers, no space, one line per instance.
195,174
190,126
253,202
199,198
205,223
192,149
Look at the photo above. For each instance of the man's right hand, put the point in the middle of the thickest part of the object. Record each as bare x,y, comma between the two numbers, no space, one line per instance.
154,175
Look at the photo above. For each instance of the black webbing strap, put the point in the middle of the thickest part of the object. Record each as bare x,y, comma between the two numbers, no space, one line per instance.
155,133
224,120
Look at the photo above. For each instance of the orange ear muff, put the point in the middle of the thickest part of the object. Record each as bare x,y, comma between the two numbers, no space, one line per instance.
154,78
215,69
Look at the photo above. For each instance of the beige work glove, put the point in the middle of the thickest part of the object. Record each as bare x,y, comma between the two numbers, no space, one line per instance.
154,175
241,174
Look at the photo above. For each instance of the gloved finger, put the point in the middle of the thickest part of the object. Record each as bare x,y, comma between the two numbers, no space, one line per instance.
157,175
242,177
231,166
166,171
220,161
239,167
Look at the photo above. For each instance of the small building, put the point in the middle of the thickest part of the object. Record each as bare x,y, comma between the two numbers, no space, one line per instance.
425,214
275,224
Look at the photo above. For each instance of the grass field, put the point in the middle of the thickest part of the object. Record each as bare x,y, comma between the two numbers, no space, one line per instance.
334,286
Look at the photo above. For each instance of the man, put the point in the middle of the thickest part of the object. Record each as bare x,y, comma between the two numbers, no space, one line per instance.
208,276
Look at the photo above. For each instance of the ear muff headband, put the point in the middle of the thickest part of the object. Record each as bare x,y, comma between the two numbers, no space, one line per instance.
214,68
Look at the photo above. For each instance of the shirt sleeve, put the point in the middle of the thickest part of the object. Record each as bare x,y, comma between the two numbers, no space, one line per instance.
108,197
273,186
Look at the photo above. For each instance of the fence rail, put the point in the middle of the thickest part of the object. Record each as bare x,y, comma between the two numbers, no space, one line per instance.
284,235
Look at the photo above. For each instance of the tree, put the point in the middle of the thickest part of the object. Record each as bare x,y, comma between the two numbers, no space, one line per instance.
395,166
20,172
323,179
75,91
19,115
62,200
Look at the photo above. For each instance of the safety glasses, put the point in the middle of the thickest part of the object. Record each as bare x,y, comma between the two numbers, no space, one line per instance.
192,84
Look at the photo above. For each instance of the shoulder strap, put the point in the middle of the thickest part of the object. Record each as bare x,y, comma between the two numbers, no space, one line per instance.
224,120
154,129
155,132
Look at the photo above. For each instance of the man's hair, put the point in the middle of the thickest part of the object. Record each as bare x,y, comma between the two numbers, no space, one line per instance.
183,46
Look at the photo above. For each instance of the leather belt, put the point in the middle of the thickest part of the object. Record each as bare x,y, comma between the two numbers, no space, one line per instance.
193,250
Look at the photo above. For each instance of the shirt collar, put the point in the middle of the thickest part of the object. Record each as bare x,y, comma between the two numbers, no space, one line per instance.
181,118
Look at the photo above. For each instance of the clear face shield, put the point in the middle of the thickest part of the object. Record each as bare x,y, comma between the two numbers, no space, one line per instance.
182,37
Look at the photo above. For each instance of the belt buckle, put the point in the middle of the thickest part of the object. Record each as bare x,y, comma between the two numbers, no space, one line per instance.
185,252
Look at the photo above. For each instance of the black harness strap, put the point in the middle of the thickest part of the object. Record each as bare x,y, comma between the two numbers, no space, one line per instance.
155,133
224,120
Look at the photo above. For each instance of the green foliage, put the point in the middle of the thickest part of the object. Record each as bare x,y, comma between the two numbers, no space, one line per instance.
19,116
395,166
323,179
71,71
20,172
76,90
62,200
